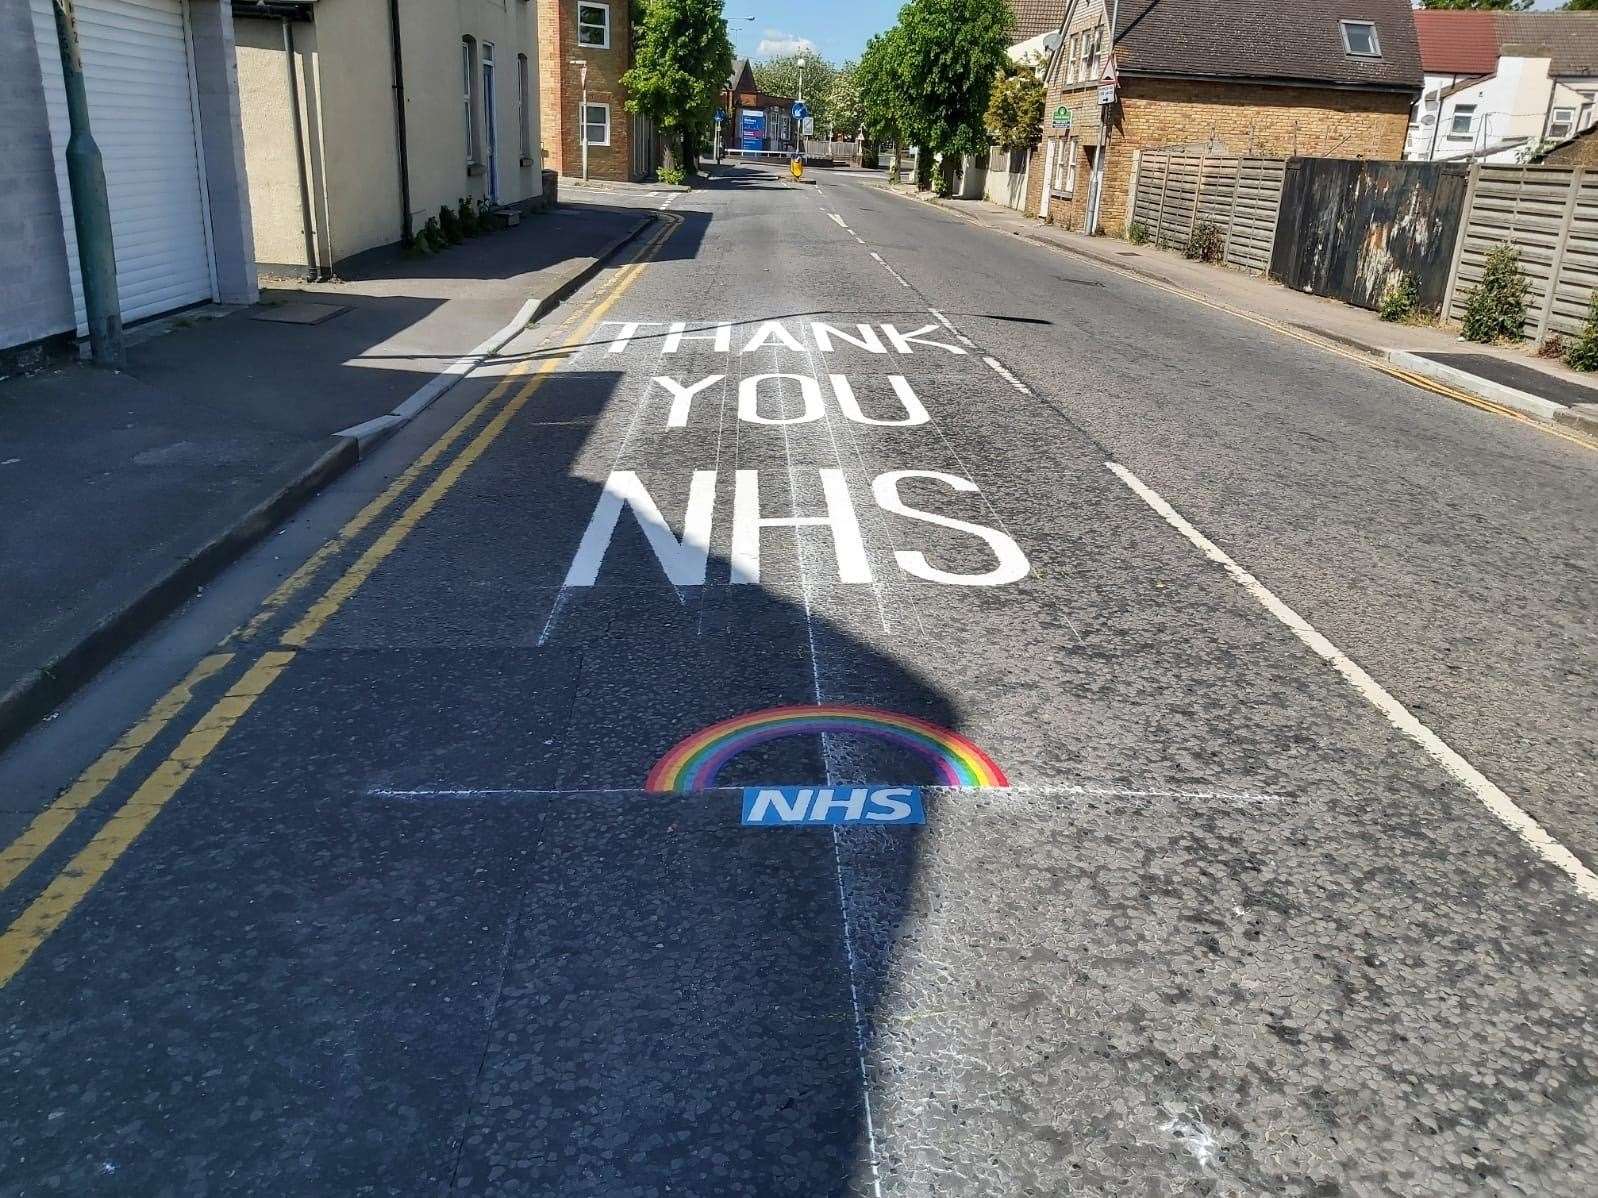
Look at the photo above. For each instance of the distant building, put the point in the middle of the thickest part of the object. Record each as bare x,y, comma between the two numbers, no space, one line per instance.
599,33
756,121
1266,77
1034,34
327,71
1499,87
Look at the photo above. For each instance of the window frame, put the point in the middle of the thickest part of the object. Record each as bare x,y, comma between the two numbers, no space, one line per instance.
1468,112
589,107
1064,165
1375,50
471,99
1569,122
524,124
603,6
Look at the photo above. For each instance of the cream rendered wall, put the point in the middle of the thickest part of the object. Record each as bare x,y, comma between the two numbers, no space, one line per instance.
354,81
434,113
269,138
351,144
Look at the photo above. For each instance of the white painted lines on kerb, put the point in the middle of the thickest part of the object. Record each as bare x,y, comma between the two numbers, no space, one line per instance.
888,268
1496,801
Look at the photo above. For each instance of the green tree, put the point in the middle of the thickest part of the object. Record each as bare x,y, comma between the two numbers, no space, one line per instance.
882,93
953,50
845,110
1501,5
1015,109
781,77
1581,6
680,63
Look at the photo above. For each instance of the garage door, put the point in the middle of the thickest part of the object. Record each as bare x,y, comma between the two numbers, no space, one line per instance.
142,111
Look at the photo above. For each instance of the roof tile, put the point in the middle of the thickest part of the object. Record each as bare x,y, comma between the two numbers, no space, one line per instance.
1275,40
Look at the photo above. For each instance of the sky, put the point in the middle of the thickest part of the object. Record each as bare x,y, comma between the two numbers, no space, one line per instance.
837,28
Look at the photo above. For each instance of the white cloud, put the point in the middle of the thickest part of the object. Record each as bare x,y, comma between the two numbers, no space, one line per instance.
776,44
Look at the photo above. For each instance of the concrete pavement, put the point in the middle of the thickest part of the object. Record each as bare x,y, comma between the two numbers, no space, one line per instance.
128,491
378,903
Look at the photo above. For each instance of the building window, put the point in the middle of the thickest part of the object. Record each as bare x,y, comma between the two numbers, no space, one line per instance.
524,116
469,101
1359,39
1586,119
1073,51
1064,180
596,123
1092,43
593,25
1464,117
1561,123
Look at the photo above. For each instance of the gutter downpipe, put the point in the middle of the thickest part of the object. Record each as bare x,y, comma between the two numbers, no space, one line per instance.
1102,165
406,230
313,269
91,208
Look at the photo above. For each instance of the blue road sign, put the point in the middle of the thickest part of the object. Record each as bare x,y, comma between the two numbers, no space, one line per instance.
799,110
720,116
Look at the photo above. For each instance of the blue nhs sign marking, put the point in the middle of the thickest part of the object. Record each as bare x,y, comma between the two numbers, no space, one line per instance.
828,806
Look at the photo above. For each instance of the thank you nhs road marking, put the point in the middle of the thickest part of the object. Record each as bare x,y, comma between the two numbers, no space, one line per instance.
761,402
830,806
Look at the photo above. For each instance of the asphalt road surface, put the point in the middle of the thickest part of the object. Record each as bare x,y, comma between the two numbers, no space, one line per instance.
350,882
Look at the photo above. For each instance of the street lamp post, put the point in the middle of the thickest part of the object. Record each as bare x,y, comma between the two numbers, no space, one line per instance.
582,80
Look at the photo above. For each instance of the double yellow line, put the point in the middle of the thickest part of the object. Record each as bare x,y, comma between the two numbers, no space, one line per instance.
80,875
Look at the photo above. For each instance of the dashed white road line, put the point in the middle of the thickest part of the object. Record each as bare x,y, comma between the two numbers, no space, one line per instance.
1004,374
834,216
1505,809
944,321
888,268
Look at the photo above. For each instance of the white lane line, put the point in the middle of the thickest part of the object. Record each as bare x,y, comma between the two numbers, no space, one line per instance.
836,218
944,321
1496,801
858,238
888,268
1042,790
1004,374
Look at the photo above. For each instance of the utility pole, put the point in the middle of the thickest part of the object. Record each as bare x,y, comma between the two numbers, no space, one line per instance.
582,80
91,210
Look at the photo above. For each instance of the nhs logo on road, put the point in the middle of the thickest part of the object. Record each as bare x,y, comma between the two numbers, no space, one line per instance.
774,806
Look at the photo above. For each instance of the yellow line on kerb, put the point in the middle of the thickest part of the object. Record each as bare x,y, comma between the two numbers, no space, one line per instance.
58,816
47,912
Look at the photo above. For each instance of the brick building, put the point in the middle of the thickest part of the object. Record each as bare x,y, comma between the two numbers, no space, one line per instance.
1333,78
621,147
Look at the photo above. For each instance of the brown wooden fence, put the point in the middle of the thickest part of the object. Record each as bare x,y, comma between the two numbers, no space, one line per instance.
1350,228
1173,194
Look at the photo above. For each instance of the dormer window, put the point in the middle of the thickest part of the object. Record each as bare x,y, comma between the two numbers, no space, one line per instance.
1359,39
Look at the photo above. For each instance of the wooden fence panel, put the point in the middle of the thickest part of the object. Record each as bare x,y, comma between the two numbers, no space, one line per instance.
1176,193
1350,228
1530,208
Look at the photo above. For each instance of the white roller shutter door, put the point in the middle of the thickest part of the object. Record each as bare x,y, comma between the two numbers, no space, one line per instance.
136,66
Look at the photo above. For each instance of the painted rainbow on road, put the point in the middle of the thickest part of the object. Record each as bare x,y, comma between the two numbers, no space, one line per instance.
695,761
